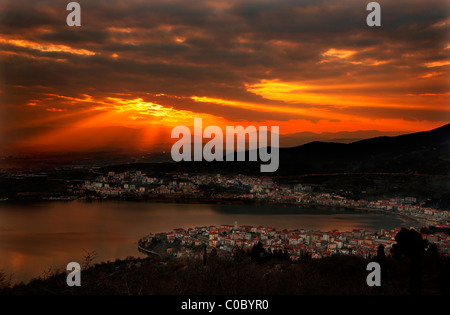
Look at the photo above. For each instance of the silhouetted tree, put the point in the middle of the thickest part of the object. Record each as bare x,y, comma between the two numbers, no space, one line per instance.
278,254
381,259
256,252
432,258
204,256
5,281
213,254
381,256
410,245
266,256
88,259
433,251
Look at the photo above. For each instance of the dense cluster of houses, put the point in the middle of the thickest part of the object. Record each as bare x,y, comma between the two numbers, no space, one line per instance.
116,185
248,187
296,243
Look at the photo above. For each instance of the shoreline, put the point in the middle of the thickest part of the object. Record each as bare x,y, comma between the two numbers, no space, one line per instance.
196,200
225,201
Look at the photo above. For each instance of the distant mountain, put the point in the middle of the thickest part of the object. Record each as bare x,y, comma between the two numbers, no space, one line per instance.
300,138
425,152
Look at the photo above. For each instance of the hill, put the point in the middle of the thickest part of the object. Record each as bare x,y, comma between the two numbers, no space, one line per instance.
425,152
417,153
339,274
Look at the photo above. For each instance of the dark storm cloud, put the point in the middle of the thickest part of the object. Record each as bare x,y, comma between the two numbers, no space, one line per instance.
213,49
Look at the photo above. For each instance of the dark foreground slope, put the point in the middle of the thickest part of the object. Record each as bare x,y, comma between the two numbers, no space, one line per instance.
340,275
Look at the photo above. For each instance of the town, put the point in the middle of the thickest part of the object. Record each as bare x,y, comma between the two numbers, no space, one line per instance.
296,244
135,184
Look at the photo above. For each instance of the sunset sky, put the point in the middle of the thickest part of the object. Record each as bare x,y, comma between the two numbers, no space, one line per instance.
137,68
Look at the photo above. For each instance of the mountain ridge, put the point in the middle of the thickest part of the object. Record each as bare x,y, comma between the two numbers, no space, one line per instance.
425,152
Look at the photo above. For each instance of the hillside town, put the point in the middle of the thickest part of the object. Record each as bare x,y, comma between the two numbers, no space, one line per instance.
241,187
296,244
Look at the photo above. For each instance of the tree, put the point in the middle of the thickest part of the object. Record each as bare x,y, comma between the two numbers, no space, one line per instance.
256,252
278,254
213,253
381,259
238,254
88,259
5,281
204,255
410,246
381,256
433,251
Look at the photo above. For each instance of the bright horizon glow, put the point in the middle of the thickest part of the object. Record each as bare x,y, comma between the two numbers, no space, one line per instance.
128,82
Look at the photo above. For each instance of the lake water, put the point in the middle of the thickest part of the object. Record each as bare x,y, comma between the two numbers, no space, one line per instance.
38,237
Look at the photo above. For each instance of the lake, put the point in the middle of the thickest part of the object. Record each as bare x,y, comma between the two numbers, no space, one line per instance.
36,238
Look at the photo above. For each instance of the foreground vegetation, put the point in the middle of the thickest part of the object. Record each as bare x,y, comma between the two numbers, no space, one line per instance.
169,276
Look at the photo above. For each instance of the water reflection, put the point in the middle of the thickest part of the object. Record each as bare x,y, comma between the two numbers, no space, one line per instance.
37,236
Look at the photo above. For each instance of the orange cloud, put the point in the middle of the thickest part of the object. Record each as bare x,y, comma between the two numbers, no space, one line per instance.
167,67
46,47
345,56
133,122
338,53
293,92
431,74
437,63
